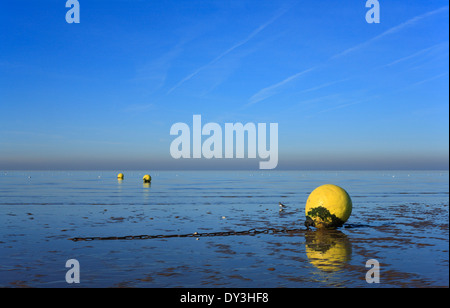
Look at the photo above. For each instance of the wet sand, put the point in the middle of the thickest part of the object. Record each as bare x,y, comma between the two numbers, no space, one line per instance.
399,218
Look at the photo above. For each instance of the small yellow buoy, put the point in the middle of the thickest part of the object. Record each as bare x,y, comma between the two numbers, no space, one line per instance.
120,176
328,206
147,178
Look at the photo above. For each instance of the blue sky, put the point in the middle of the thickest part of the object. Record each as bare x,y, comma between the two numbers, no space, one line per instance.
103,94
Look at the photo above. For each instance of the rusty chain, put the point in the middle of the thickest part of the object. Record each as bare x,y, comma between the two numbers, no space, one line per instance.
195,234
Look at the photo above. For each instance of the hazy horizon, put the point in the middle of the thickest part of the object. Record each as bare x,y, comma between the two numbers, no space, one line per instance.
245,165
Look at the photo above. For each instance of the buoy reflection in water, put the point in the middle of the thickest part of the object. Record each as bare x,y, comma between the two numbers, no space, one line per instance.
328,250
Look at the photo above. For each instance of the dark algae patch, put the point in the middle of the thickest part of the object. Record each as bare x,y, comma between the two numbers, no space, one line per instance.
327,219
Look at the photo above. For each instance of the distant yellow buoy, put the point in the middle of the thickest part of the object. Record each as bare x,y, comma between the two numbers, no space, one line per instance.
147,178
120,176
328,206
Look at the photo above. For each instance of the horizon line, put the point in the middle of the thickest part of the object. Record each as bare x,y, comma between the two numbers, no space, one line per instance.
231,169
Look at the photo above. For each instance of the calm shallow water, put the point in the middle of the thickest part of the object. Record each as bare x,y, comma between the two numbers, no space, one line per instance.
399,218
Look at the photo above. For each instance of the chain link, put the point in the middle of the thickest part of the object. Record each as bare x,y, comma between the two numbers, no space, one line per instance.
195,234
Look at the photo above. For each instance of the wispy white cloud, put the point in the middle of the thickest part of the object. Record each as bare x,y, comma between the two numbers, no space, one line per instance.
392,30
416,54
364,100
428,79
348,104
229,50
154,72
340,106
273,89
324,85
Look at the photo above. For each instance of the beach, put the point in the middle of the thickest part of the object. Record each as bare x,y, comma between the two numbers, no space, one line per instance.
399,218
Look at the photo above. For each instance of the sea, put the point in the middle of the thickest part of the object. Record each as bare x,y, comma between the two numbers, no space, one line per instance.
220,229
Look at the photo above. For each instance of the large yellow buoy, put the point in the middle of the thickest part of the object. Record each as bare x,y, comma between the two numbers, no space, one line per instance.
328,206
120,176
147,178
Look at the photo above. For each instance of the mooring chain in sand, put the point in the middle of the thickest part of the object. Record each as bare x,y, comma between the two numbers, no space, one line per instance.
195,234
